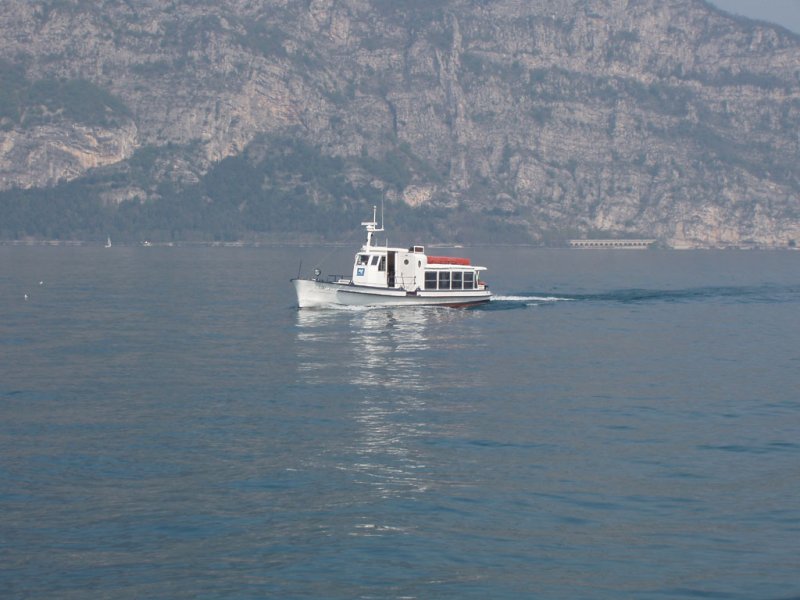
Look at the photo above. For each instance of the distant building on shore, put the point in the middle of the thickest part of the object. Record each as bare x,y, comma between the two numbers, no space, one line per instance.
602,244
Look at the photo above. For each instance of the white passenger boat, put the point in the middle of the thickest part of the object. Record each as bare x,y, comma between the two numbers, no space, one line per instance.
387,276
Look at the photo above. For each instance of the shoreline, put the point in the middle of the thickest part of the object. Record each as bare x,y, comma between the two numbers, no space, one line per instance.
333,244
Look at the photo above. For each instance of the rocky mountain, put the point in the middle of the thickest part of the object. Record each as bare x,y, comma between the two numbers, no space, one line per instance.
473,120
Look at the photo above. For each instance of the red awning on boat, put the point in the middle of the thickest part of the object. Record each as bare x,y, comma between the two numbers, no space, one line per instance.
447,260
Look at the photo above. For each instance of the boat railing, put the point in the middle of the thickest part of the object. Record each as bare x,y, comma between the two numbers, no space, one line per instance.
405,283
331,278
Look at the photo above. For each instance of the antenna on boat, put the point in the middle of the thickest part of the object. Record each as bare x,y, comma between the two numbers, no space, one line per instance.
386,241
372,226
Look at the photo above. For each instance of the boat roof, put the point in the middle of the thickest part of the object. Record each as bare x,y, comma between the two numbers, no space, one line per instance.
434,262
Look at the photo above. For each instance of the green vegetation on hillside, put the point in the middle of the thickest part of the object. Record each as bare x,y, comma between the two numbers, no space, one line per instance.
27,103
279,185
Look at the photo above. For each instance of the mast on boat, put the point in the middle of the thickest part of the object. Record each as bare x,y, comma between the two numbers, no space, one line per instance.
372,227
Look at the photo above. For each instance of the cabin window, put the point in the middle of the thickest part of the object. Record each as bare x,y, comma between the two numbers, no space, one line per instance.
469,280
430,280
363,259
382,265
444,280
456,280
375,260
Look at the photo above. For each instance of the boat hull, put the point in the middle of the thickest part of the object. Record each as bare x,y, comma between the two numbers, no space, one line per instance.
311,294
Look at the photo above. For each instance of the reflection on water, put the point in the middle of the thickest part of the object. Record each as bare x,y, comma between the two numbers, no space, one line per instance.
383,346
386,368
390,343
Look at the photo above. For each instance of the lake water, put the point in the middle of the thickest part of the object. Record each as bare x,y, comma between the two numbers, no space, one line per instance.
616,424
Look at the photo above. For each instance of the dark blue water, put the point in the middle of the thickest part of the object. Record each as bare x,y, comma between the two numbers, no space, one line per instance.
617,424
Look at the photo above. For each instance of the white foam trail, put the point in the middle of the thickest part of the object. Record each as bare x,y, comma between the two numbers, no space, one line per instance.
530,299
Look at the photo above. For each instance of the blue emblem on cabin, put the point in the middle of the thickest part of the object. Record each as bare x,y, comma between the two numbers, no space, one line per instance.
360,272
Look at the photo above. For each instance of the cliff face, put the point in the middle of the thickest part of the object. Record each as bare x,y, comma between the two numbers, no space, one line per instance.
657,118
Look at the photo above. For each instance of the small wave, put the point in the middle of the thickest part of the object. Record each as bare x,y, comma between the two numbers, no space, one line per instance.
773,447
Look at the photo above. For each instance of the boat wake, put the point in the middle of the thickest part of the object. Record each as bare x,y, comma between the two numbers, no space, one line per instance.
764,294
530,299
507,302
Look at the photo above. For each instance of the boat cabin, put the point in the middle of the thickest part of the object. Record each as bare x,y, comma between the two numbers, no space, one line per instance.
411,269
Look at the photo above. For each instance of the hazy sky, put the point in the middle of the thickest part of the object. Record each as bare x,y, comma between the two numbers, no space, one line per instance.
783,12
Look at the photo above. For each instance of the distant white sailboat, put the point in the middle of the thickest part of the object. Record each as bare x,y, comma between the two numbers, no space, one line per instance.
108,242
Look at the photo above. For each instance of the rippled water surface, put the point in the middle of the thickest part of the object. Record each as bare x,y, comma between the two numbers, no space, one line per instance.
615,424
